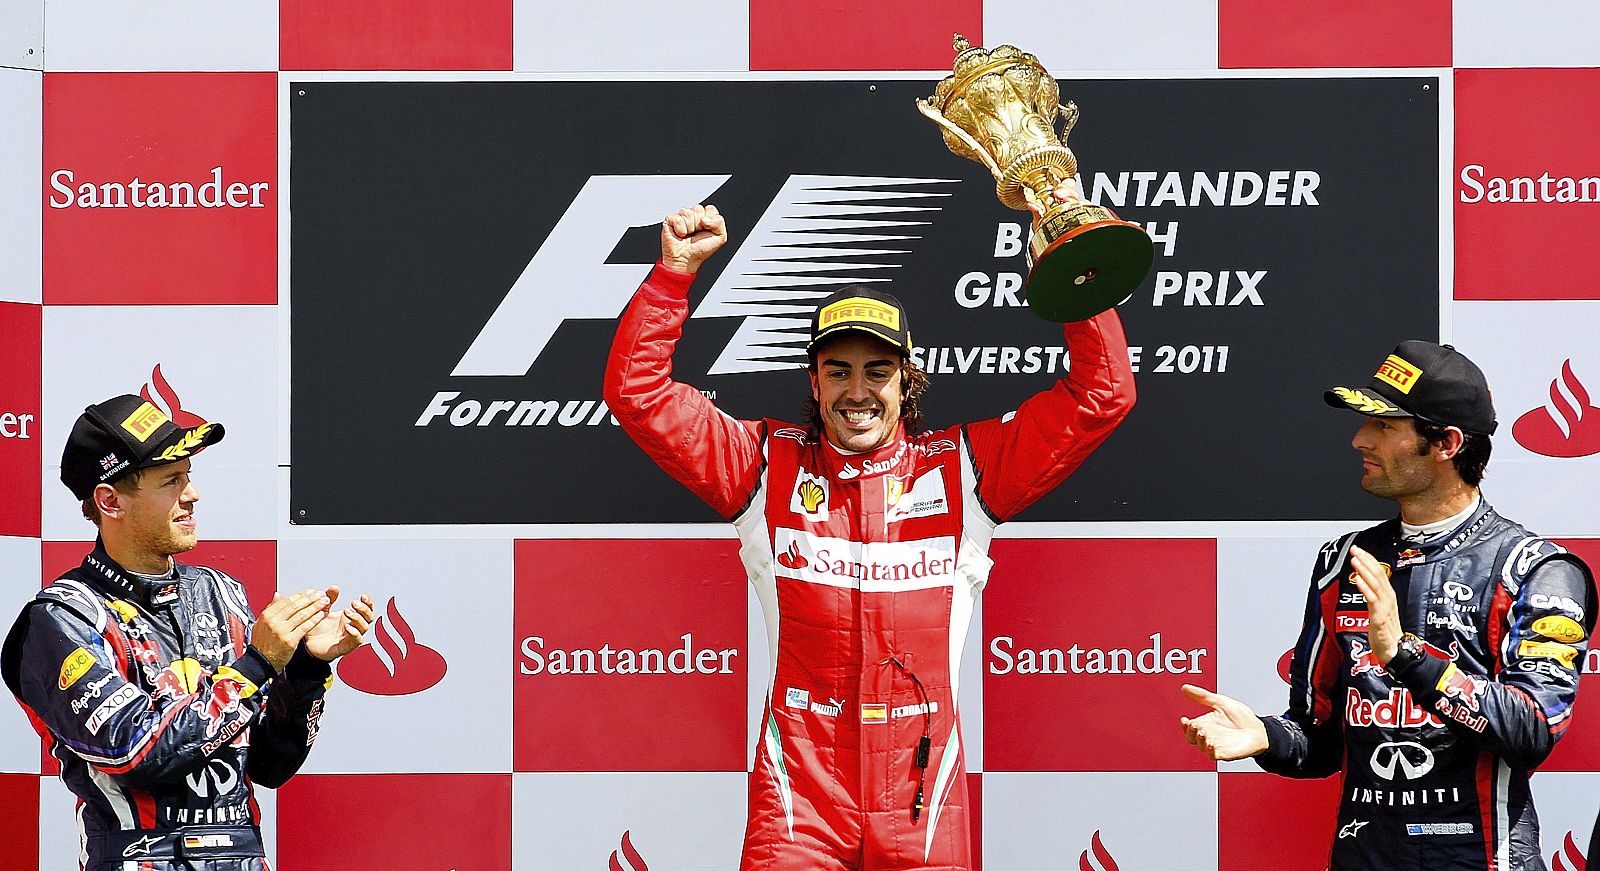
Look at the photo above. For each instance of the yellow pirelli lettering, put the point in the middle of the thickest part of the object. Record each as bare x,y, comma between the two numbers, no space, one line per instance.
858,309
1399,373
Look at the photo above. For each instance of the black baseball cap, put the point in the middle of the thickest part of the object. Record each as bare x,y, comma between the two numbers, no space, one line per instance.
864,309
126,433
1420,379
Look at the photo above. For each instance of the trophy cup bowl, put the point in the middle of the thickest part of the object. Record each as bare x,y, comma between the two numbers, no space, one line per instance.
999,107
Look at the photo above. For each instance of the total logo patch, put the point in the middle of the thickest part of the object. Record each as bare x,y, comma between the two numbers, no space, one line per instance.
1565,654
74,667
1557,628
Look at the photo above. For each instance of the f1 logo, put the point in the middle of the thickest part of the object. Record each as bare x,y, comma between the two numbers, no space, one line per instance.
768,282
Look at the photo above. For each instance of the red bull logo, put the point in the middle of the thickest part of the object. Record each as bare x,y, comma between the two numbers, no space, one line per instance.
1362,660
222,701
1398,710
1460,686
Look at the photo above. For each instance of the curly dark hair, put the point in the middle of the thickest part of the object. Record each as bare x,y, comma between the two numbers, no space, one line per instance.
913,383
1469,461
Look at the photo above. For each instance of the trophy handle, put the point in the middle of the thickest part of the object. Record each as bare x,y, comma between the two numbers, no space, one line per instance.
1069,114
950,127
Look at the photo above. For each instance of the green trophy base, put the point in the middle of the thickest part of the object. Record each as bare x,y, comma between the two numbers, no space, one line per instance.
1088,269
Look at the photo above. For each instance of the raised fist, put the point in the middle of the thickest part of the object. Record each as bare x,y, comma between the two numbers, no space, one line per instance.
689,236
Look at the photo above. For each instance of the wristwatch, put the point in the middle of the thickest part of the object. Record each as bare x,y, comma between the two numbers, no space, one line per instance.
1408,654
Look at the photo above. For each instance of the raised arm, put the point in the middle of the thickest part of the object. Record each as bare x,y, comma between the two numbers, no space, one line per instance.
715,456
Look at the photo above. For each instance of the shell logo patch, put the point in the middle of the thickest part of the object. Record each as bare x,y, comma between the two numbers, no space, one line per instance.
810,496
1398,373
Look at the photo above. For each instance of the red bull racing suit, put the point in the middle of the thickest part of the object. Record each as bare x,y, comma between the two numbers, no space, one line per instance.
160,713
1436,759
867,567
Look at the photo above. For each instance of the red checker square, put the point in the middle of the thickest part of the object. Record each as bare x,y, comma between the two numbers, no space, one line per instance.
888,35
1525,189
631,656
1299,816
160,188
20,399
1074,629
1579,748
396,821
19,825
1333,33
395,35
975,816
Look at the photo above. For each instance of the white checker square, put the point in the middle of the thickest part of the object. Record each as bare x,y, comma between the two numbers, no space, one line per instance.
19,581
217,362
21,159
682,821
22,22
1261,601
1561,33
1134,820
1566,803
175,35
59,845
629,36
1543,365
1132,35
440,663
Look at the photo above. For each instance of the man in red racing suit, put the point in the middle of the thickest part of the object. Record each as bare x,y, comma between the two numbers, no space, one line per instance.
867,547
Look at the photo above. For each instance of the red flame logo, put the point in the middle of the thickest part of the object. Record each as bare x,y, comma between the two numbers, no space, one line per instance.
1564,426
1569,858
792,558
1102,857
635,862
169,401
394,664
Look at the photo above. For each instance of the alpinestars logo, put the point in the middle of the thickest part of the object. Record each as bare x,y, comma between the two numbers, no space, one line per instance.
820,233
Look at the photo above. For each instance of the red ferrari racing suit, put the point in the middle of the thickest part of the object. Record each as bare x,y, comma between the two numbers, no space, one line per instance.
867,567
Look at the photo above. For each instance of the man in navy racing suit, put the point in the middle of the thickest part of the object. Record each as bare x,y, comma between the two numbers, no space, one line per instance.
163,698
1440,654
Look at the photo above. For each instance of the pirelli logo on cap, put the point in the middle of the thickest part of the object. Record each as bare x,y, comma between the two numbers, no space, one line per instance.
144,421
858,309
1398,373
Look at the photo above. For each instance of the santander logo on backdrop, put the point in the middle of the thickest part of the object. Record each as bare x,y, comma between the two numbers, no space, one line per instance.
394,664
169,401
1565,426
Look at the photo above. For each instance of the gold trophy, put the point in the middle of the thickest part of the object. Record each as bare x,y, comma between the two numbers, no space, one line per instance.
999,108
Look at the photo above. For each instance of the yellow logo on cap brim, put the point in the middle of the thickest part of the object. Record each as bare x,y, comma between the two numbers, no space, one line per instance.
191,441
858,309
1399,373
144,421
1363,402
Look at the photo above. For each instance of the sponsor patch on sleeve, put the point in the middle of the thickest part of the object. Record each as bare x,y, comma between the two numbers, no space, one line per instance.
1558,628
123,697
74,667
1565,654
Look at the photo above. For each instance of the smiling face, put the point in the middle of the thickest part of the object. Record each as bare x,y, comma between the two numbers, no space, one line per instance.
158,518
858,386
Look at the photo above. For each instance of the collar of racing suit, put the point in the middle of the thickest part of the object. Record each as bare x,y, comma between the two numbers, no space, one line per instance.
122,583
844,465
1440,546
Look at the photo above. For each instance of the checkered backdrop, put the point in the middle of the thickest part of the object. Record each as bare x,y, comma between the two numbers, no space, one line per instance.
464,710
